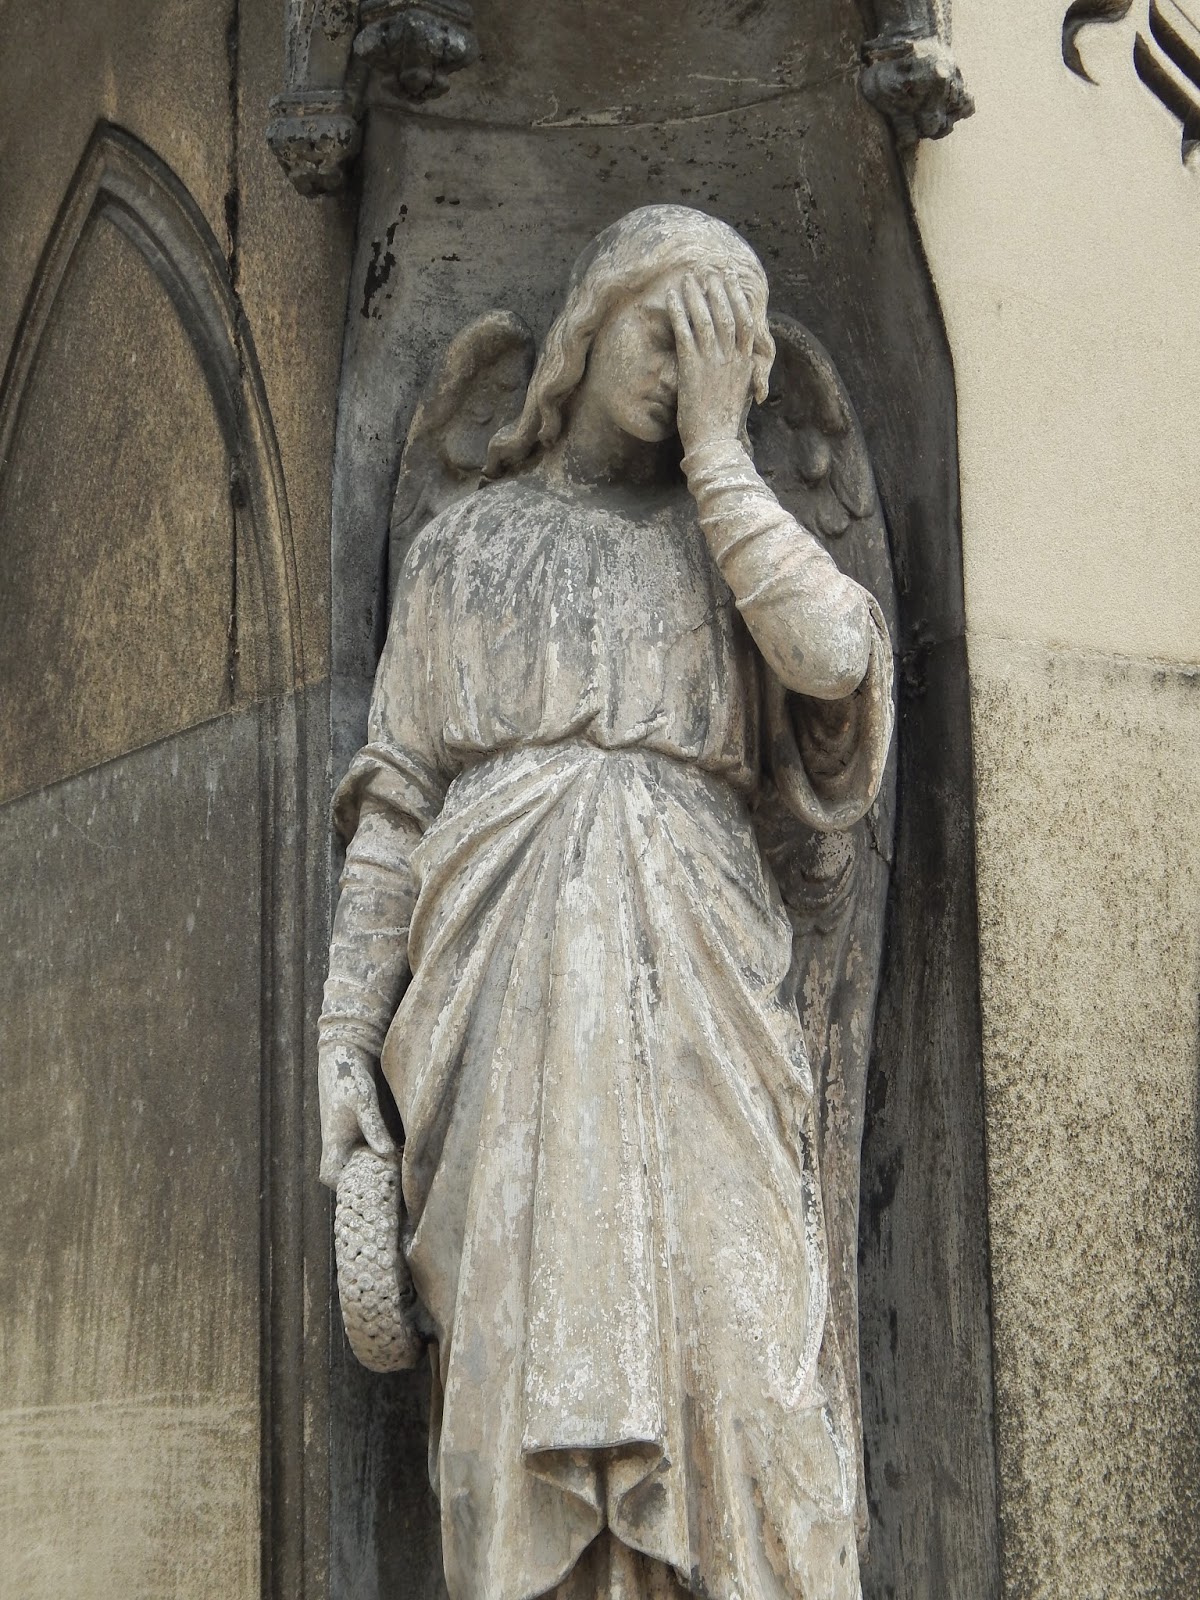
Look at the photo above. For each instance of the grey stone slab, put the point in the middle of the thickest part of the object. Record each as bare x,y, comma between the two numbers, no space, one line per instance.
130,995
117,580
1088,773
137,1499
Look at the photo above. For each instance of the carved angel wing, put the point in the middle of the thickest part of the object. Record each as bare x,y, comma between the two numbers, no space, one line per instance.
476,388
809,446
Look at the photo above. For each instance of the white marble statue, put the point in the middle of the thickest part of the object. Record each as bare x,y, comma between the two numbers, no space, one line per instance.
559,936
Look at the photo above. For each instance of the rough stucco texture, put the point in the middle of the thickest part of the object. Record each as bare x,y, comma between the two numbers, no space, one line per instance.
1062,232
1087,774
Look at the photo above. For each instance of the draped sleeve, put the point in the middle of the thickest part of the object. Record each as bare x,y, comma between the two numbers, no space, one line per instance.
403,768
392,792
827,757
815,628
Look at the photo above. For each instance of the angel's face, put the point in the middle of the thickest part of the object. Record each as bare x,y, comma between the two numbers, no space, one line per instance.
631,373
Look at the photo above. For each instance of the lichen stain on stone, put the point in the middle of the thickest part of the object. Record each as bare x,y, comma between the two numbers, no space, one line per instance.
379,271
1086,772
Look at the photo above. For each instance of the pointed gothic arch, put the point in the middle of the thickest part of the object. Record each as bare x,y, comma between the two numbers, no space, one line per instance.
122,180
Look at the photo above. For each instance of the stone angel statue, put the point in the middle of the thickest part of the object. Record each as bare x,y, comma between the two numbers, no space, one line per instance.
621,680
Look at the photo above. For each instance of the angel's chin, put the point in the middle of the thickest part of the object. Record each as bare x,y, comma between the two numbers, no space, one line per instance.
655,424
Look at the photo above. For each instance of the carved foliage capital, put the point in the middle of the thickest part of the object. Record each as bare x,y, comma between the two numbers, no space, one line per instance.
316,134
333,48
419,43
910,74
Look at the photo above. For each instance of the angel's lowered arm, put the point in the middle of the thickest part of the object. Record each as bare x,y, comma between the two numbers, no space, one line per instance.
393,791
369,965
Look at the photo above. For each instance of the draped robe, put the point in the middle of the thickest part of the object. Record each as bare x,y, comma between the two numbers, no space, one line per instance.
613,1205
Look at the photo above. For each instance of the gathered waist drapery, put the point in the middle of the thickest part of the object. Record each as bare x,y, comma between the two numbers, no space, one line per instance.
609,1172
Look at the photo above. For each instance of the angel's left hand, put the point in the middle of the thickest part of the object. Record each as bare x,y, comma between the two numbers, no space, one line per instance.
714,348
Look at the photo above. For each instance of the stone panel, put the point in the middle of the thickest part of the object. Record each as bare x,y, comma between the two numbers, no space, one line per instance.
137,1500
1088,772
130,998
117,585
120,557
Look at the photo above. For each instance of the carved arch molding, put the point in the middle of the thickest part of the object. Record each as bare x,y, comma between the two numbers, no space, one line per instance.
120,180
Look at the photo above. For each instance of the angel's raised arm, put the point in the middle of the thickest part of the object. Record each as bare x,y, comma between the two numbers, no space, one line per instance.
812,624
823,635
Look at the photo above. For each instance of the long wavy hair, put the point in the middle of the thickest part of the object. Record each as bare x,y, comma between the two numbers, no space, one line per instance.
620,263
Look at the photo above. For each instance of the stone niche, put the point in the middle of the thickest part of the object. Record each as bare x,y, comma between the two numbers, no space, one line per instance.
482,199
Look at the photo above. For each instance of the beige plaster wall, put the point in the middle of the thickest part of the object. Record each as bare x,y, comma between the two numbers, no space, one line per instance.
1063,232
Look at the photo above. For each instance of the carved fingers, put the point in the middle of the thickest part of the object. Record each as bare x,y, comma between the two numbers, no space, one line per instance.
714,342
350,1114
743,317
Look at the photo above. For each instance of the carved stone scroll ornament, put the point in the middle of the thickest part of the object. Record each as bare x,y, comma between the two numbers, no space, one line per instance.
615,844
332,48
909,72
1166,57
1082,14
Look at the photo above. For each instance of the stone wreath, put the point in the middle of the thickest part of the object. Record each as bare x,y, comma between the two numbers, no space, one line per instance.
378,1300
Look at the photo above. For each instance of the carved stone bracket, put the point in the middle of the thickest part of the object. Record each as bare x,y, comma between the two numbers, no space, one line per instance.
418,43
332,49
909,72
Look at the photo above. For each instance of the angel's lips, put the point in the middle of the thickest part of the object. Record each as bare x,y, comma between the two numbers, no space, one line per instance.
663,403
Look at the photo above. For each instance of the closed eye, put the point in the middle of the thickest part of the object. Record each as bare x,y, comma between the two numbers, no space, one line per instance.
658,328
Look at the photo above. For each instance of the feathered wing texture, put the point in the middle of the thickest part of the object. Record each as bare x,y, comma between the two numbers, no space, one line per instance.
476,388
809,447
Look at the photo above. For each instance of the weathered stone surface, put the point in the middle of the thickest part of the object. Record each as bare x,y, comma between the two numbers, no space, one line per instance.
176,78
558,938
569,121
162,1496
193,84
163,73
1088,771
117,580
925,1314
129,1004
292,265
